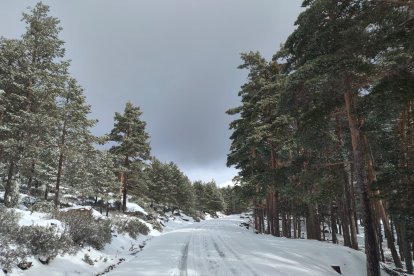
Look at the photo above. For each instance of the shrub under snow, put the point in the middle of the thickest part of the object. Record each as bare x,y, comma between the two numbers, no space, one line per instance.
132,226
84,228
17,243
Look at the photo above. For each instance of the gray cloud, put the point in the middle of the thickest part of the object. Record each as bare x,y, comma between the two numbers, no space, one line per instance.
176,59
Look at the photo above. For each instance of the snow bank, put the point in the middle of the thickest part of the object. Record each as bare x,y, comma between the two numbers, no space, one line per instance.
133,207
28,218
95,213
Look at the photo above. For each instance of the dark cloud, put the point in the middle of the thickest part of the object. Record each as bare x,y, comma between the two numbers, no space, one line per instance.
176,59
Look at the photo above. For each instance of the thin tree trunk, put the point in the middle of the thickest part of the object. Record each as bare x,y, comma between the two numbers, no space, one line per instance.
380,210
392,229
9,191
289,225
295,227
46,191
380,240
124,198
30,180
340,226
348,202
276,214
373,267
262,220
323,228
268,210
406,248
58,178
255,215
312,223
333,224
388,233
271,220
125,184
107,207
345,224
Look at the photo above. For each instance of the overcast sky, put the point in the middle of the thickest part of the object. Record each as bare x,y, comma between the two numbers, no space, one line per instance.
176,59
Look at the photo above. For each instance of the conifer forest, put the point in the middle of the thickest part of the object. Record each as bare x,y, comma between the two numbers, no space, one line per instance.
322,142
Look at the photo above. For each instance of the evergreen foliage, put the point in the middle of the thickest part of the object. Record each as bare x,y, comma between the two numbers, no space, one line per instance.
312,123
132,145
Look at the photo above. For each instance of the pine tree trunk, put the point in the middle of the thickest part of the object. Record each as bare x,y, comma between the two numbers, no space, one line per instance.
255,215
289,225
352,225
380,240
388,234
399,243
58,178
373,267
124,198
345,224
340,226
380,210
392,229
276,223
323,228
274,195
262,220
268,211
348,202
406,248
271,220
11,196
312,223
295,227
107,207
46,191
333,224
30,180
124,181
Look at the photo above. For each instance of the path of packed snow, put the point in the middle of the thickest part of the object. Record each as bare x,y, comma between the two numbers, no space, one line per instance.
222,247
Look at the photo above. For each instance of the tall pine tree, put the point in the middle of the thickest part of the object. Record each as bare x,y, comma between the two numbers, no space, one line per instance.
132,145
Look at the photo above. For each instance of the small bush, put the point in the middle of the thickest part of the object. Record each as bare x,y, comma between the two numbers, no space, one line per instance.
8,219
46,242
132,226
11,254
43,206
83,228
87,259
16,243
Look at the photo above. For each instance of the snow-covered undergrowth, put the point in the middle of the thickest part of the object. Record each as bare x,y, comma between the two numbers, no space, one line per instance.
77,240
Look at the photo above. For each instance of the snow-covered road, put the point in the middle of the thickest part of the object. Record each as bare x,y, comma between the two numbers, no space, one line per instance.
222,247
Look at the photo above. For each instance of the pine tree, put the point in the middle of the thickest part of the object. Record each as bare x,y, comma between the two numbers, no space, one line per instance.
73,129
104,182
132,144
32,70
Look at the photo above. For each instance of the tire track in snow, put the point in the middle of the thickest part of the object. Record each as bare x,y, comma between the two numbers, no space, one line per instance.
182,266
236,255
222,255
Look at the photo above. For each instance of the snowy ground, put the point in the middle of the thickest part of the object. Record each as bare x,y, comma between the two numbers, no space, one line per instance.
121,248
222,247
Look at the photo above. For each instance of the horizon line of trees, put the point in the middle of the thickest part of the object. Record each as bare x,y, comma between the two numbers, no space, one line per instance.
325,129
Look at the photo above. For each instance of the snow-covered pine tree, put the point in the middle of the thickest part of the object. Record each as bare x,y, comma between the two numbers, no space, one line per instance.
73,130
32,70
105,184
132,145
